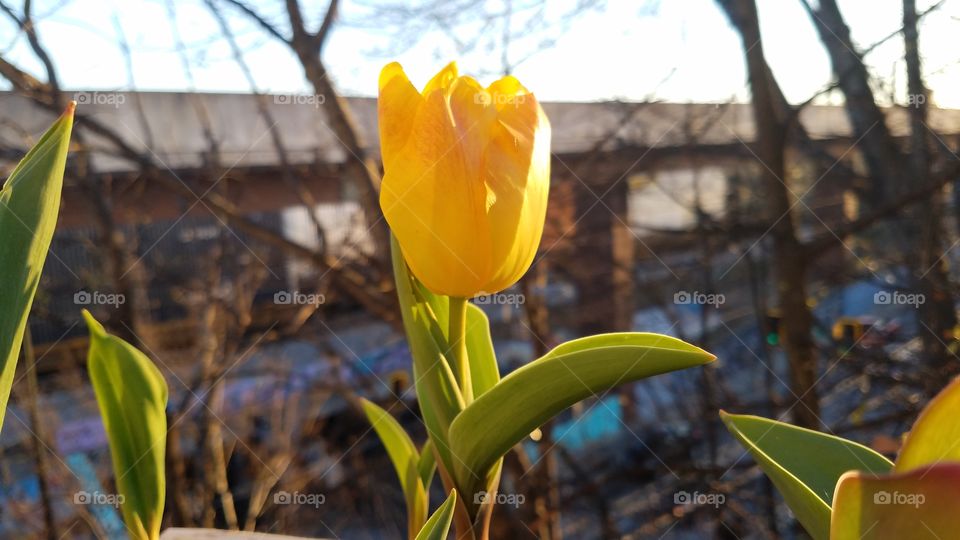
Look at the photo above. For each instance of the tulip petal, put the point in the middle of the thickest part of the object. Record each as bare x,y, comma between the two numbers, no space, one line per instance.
466,178
435,211
397,106
935,436
443,80
505,90
473,118
518,173
922,503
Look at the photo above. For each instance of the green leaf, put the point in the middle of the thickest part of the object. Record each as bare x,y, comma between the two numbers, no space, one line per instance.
803,464
405,458
484,371
531,395
427,464
29,204
922,503
440,399
438,526
132,397
398,444
935,436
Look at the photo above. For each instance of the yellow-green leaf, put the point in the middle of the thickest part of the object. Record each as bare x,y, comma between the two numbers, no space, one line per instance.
29,204
132,397
484,371
406,461
803,464
440,399
427,464
531,395
438,526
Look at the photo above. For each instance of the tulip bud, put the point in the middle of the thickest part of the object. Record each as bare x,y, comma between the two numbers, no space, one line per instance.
466,178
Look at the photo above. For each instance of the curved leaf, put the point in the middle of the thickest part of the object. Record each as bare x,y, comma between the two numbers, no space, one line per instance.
405,458
438,526
398,444
531,395
935,436
803,464
484,371
427,464
29,204
440,399
922,503
132,397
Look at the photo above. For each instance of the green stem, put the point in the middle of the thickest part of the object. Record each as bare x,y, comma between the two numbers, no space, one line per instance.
457,336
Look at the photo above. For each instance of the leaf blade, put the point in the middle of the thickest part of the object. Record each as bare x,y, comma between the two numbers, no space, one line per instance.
29,204
438,526
487,428
484,371
132,397
806,479
436,386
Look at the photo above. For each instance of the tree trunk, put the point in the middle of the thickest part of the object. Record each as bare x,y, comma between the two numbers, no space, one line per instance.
789,259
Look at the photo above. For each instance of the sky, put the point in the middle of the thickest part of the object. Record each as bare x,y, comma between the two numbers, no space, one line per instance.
672,50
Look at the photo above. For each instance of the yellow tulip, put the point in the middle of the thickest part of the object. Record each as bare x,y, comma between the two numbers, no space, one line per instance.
466,178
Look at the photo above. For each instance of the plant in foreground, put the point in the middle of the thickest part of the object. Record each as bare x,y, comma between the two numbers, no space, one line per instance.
841,490
464,191
29,203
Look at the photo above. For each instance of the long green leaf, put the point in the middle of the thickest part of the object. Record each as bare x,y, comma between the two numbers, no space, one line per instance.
406,460
531,395
29,204
132,397
427,464
484,371
440,399
803,464
438,526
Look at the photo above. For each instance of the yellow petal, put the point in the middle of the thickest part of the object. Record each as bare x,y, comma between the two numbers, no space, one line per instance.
506,90
935,436
518,172
473,118
442,80
467,175
436,212
397,107
922,503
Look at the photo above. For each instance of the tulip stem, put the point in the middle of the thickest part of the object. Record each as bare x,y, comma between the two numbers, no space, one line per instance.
458,346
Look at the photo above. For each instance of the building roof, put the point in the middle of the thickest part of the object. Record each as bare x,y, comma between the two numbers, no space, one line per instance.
176,137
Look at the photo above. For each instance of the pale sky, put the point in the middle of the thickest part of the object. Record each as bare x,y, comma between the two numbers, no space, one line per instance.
674,50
